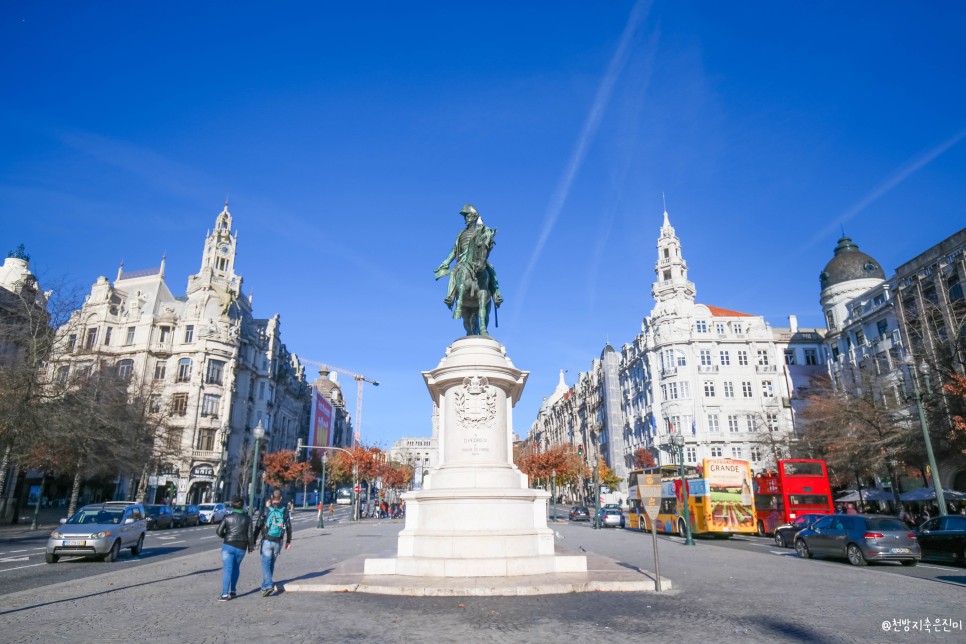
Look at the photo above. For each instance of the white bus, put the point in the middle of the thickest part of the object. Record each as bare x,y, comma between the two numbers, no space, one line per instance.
343,496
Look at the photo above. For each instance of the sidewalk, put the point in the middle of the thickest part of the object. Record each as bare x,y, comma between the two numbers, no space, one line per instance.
47,520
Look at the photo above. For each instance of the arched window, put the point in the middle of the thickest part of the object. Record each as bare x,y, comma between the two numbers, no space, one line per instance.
123,369
184,370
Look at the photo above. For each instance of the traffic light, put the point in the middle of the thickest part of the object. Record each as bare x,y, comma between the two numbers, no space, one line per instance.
580,450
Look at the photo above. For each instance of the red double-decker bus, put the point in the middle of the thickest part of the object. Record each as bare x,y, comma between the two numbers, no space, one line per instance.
799,486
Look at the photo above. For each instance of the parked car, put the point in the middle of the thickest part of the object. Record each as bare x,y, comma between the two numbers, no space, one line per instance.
579,513
785,533
159,517
944,538
609,517
212,512
100,531
860,538
186,515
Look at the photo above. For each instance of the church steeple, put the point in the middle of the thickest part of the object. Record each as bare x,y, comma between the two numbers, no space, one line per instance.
671,270
218,259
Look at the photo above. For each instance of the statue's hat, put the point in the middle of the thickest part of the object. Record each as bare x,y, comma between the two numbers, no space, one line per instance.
468,209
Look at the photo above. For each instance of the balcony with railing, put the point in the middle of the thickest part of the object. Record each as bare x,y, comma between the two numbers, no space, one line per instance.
707,368
766,368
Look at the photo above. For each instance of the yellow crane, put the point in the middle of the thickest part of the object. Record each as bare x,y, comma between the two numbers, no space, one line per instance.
324,370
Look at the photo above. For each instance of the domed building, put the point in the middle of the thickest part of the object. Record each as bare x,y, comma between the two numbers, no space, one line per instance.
847,275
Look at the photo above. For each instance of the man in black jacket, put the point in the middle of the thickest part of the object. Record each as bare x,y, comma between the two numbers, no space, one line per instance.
236,533
274,524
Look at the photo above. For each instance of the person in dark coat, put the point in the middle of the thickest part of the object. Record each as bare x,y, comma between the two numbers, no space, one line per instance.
237,539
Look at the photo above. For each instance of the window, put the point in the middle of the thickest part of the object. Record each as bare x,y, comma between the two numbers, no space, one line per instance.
129,339
811,357
160,369
882,328
755,453
691,454
664,392
719,328
184,370
672,390
172,439
752,423
62,374
724,358
733,424
716,451
189,333
746,389
763,357
729,389
107,336
743,358
681,359
735,451
713,426
206,440
261,390
709,388
701,326
165,335
215,370
210,405
90,339
767,389
738,327
154,404
685,389
859,337
790,357
72,341
705,358
123,369
179,404
772,420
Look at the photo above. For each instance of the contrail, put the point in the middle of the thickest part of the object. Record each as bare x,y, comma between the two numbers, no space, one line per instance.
904,171
591,124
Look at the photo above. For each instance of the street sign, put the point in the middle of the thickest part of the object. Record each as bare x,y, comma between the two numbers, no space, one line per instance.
357,488
649,488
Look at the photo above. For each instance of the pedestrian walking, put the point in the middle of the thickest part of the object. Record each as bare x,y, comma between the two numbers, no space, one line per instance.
274,526
237,539
320,524
850,509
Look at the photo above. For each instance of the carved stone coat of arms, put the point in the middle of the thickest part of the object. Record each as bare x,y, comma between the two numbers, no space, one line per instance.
475,403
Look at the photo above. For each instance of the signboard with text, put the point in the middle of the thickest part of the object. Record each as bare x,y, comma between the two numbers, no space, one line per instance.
649,489
320,425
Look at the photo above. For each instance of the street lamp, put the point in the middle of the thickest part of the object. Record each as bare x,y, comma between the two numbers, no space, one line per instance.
259,434
322,494
553,493
596,499
917,396
678,441
355,495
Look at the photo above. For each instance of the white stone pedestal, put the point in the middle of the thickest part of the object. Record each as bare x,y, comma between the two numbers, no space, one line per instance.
475,516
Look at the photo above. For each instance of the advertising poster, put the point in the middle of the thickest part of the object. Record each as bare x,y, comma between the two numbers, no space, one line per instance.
320,425
732,501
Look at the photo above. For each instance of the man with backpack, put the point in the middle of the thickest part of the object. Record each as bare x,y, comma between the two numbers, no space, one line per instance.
274,524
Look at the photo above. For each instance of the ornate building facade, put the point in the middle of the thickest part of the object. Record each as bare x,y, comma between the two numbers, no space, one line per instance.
213,370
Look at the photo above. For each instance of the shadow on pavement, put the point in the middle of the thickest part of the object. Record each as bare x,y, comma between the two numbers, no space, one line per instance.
107,592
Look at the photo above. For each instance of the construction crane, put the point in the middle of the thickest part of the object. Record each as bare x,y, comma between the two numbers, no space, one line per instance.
324,370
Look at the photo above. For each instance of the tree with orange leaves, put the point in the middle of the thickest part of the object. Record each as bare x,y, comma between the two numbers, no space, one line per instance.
643,458
280,468
957,387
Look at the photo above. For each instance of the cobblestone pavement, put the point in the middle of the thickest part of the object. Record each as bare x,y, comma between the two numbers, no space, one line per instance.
723,596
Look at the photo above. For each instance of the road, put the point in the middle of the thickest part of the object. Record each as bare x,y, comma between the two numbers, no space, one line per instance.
765,546
22,563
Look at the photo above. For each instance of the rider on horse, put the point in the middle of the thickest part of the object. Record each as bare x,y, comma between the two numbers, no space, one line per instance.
472,281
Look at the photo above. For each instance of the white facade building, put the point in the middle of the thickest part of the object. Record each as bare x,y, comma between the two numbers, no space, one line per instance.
214,369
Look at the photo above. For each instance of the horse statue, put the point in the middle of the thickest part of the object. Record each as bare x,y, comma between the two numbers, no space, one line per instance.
473,287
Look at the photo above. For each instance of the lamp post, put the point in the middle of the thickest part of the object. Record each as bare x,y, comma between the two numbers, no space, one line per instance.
322,495
917,396
259,434
553,494
596,499
355,495
678,441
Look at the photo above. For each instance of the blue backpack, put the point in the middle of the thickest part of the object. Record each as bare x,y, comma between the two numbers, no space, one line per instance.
275,522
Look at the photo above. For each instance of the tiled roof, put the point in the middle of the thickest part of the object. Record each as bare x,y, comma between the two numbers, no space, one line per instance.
718,312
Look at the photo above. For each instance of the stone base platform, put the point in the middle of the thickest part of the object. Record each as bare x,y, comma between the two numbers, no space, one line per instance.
603,575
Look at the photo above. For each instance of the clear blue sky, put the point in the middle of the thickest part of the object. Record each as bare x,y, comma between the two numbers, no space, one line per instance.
349,135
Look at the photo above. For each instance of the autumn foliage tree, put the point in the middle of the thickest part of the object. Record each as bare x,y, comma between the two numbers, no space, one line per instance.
956,388
281,468
540,465
643,458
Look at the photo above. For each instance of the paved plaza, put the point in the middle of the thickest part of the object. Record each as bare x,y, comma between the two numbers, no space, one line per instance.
720,595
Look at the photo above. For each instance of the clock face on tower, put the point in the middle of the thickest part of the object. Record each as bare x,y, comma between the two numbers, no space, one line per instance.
223,250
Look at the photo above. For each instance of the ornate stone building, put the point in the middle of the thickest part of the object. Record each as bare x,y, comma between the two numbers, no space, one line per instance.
212,368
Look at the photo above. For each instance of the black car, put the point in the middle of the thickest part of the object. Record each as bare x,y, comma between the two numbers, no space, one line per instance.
186,515
159,517
944,538
579,513
785,533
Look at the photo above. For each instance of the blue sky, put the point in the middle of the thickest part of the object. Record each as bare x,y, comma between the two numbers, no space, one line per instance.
349,135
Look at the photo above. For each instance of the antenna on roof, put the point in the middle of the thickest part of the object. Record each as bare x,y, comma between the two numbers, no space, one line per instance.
843,229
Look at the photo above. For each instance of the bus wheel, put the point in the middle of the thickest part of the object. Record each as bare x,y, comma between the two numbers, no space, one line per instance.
761,529
682,529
